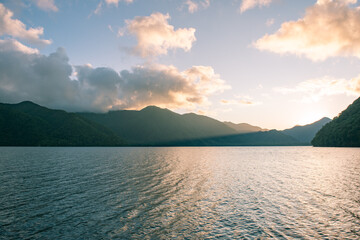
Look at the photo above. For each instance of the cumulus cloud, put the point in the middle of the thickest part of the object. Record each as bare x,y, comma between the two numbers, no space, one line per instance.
330,28
46,5
315,89
14,45
193,6
50,81
155,36
17,29
249,4
166,86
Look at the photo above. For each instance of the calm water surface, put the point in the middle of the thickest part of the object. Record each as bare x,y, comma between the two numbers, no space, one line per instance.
179,193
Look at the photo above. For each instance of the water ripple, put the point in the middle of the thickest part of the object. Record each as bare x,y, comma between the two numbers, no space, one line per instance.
179,193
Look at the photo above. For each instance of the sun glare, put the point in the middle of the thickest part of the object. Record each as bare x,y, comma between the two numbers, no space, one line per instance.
310,117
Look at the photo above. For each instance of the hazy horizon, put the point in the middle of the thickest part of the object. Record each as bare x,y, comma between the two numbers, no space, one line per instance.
237,123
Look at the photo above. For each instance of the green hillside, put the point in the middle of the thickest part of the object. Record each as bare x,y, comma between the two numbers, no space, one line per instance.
28,124
343,131
153,125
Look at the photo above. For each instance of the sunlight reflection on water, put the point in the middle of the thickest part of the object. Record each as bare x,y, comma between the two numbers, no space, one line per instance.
162,193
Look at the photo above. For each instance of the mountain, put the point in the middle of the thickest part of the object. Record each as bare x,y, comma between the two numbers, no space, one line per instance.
153,125
244,127
28,124
305,134
342,131
156,126
269,138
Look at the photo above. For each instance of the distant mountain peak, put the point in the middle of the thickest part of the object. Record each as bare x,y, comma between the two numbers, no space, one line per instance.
244,127
320,121
324,119
27,103
192,114
150,107
153,108
153,125
305,133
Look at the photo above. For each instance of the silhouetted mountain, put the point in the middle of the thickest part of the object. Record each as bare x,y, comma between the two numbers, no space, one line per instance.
28,124
244,127
269,138
306,133
342,131
153,125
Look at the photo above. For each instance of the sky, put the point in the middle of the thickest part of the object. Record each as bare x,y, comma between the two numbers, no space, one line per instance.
269,63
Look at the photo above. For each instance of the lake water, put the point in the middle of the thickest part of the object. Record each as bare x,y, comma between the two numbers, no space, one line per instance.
179,193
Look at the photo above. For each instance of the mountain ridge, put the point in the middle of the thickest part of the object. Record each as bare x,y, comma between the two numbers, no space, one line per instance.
342,131
162,125
244,127
306,133
27,123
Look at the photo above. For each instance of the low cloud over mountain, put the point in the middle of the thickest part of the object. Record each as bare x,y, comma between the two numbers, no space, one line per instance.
52,82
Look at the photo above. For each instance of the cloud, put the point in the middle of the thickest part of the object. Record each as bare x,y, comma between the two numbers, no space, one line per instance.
50,81
17,29
109,3
315,89
46,5
98,9
38,78
155,36
240,100
116,2
249,4
111,29
205,3
194,6
330,28
14,45
166,86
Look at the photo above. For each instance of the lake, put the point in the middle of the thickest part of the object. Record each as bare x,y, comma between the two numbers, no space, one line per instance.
179,193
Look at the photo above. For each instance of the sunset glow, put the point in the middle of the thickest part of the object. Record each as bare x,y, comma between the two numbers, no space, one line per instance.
261,62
